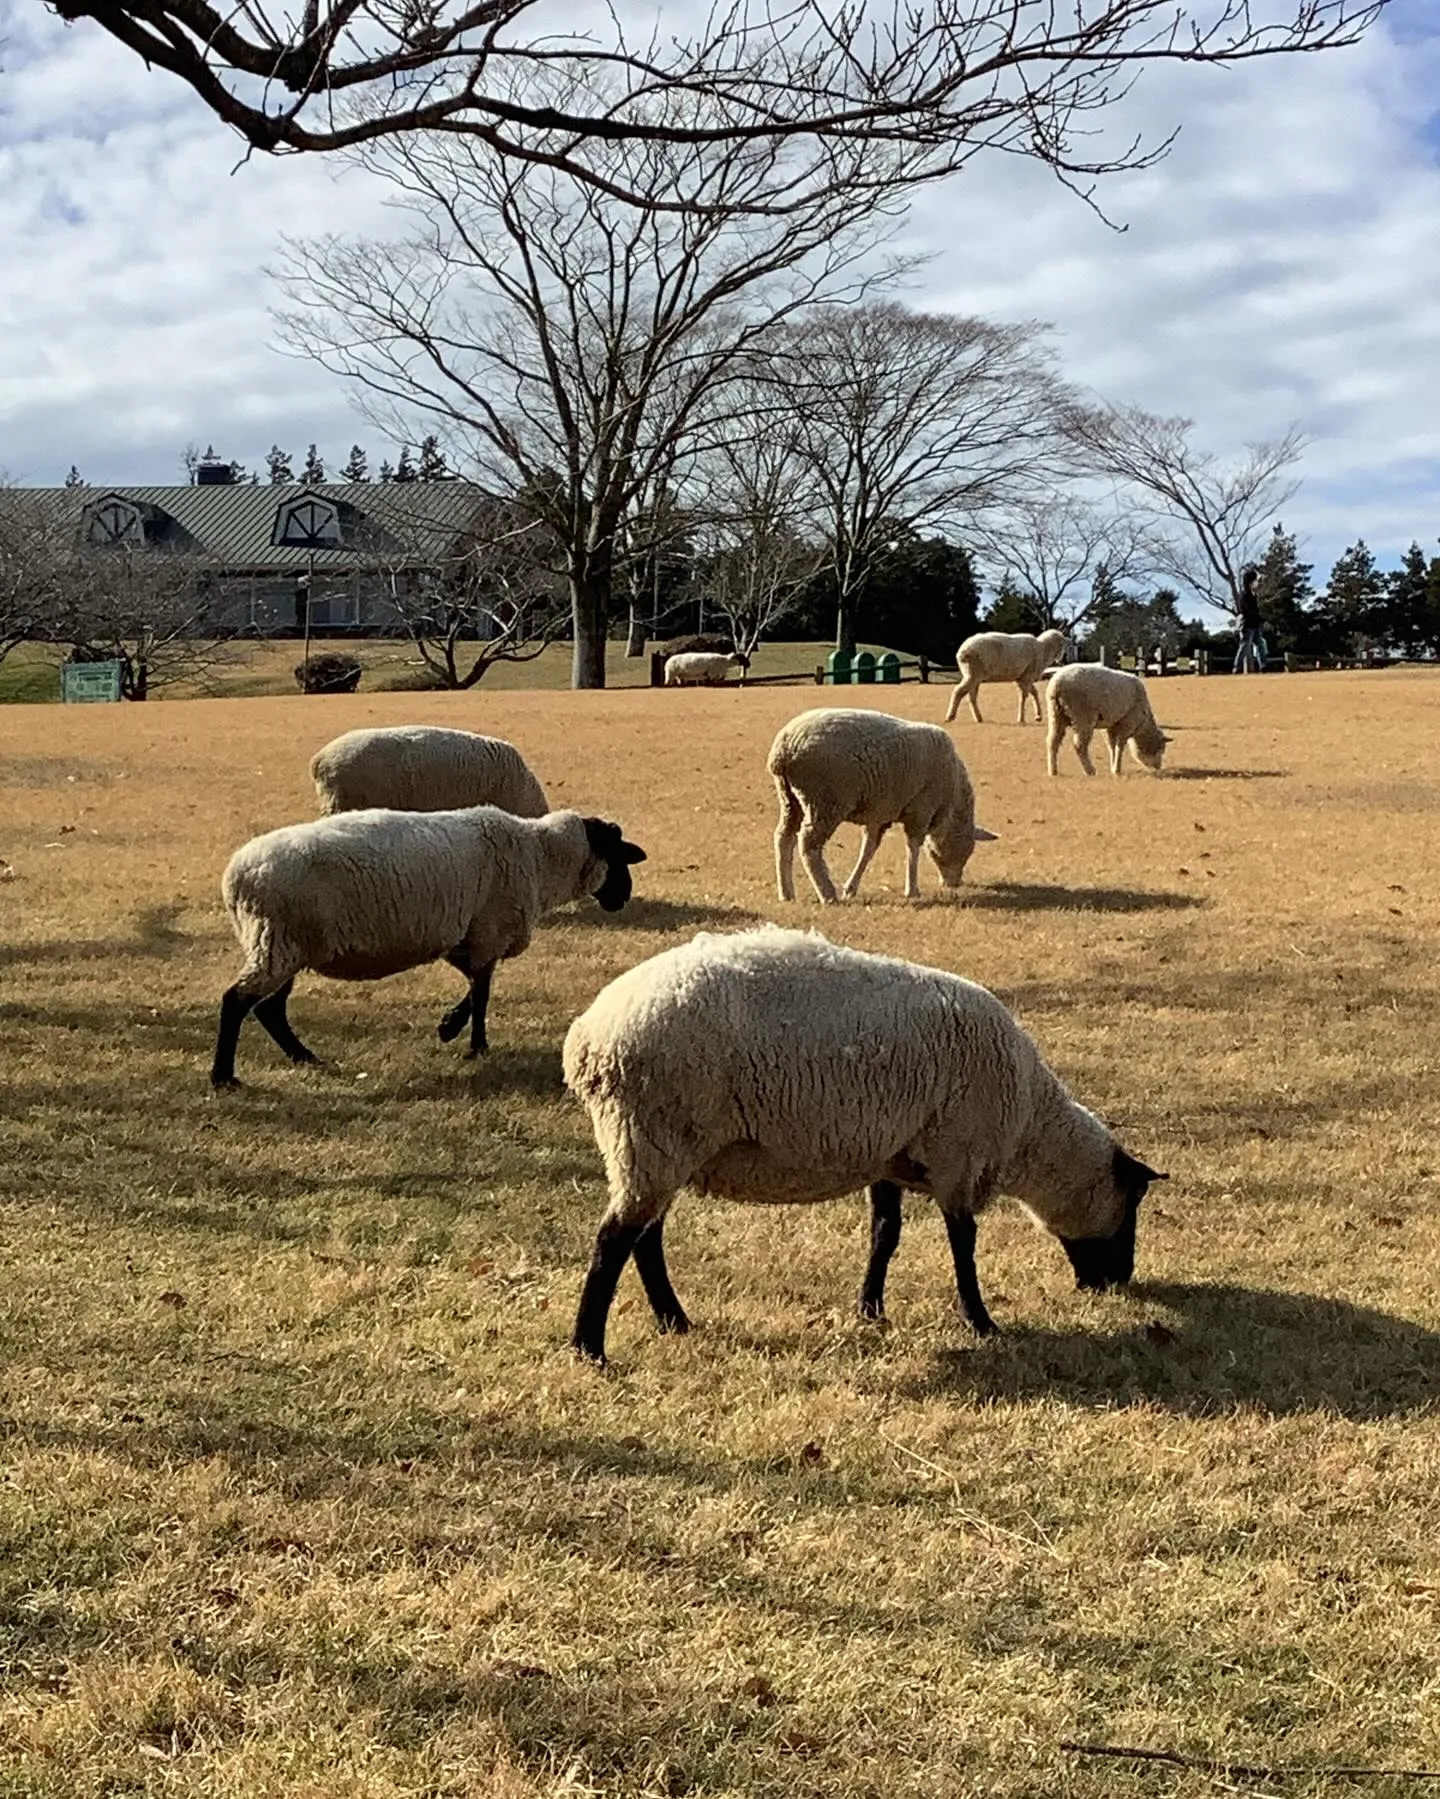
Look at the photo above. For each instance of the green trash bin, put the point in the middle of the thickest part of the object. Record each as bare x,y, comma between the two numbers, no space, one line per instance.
888,668
837,668
864,666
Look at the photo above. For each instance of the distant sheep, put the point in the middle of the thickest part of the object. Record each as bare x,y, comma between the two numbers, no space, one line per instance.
835,766
366,894
1004,656
424,768
1087,695
700,669
773,1066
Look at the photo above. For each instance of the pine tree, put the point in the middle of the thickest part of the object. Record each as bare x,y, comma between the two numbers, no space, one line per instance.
357,468
386,475
1285,594
1353,602
432,461
279,466
1406,605
313,472
404,468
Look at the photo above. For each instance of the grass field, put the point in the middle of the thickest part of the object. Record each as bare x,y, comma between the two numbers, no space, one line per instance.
252,670
303,1494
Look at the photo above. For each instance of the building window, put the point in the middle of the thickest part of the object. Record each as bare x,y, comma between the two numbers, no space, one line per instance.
114,521
308,523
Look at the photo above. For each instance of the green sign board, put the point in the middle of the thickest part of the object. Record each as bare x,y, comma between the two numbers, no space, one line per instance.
83,681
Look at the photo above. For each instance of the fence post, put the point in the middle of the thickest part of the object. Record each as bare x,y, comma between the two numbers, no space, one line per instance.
1289,663
1162,658
1104,656
924,667
1202,661
657,668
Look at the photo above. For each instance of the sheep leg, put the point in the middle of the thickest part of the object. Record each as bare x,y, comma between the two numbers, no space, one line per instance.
960,1229
913,847
479,1005
884,1241
1117,750
1082,747
271,1014
455,1020
614,1243
235,1006
1024,690
874,835
655,1278
786,833
1054,737
812,853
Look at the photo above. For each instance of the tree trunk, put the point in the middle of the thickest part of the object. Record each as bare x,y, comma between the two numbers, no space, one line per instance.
845,624
635,640
589,611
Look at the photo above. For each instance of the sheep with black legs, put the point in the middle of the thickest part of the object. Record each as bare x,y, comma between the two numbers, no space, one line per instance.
424,768
367,894
1004,656
835,765
774,1066
1088,696
698,668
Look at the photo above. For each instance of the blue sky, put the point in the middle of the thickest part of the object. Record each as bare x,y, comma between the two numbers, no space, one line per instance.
1281,266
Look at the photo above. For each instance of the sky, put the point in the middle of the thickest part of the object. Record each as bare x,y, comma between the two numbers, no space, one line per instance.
1281,266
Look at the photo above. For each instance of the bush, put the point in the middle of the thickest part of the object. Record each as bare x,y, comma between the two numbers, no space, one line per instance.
705,644
410,680
331,673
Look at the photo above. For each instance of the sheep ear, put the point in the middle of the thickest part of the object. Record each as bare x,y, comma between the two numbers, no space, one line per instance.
632,852
984,836
1133,1176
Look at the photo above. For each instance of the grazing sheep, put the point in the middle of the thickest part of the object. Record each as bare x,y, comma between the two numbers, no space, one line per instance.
773,1066
424,768
699,669
1088,694
1004,656
366,894
835,766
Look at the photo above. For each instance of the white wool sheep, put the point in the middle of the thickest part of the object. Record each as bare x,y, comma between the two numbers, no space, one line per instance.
1087,695
835,766
1004,656
701,669
773,1066
366,894
424,768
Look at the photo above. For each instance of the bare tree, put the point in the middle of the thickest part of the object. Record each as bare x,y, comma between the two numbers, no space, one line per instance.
1063,552
1209,518
576,347
756,562
155,611
496,597
33,557
910,419
951,79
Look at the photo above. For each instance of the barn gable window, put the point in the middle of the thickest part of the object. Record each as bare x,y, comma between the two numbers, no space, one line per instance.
308,523
113,521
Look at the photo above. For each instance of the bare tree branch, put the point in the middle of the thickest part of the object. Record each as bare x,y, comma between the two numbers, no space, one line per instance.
937,82
1062,551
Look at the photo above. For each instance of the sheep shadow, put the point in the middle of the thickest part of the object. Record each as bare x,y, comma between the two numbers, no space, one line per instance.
1222,1348
1226,774
154,935
657,915
1035,896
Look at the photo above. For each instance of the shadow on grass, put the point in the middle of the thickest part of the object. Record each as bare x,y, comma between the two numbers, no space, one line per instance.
154,936
655,915
1222,1348
1226,774
1030,896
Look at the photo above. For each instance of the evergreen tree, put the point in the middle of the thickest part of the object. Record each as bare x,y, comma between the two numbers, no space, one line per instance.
278,466
432,461
1285,595
1409,623
922,597
357,468
75,478
1352,606
313,472
1012,610
404,468
387,474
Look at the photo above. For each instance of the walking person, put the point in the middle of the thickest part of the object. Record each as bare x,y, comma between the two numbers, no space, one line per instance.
1250,657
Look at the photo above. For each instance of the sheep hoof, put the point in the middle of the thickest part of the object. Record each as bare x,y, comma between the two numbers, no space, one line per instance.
225,1084
475,1051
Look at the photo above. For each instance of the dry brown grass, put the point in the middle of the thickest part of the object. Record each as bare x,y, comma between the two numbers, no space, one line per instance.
303,1494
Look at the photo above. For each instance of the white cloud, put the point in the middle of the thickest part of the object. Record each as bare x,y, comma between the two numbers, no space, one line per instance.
1282,264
